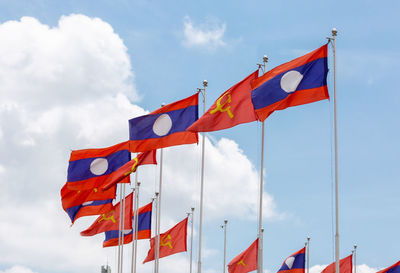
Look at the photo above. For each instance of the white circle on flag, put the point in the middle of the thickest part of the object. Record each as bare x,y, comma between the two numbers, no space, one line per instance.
99,166
289,262
87,203
162,125
290,80
127,231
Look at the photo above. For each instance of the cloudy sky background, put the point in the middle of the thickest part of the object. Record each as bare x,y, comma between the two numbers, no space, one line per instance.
72,74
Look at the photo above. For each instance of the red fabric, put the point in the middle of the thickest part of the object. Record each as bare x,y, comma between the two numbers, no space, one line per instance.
71,198
345,266
143,234
390,267
110,220
148,157
171,242
233,107
245,261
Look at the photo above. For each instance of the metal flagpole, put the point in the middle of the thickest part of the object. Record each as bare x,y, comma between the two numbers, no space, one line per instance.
122,230
205,84
157,252
337,254
119,229
191,238
308,254
135,225
224,228
155,229
260,241
355,258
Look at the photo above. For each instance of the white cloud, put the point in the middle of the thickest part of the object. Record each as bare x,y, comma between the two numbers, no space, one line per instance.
208,36
17,269
71,87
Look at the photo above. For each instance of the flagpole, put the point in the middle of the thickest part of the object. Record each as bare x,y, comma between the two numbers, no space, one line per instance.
119,229
260,241
205,84
224,228
355,258
134,230
155,235
191,237
122,230
337,253
308,254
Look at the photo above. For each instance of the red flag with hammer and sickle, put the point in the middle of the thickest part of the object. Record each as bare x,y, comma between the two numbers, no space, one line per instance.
233,107
144,158
171,242
110,220
245,261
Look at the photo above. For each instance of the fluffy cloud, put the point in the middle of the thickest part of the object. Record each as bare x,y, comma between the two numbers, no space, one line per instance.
70,87
17,269
208,36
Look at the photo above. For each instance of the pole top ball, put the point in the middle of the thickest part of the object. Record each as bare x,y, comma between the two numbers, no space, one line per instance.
334,32
205,83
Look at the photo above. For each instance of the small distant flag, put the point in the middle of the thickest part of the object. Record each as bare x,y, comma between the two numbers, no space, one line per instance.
392,269
144,228
89,168
165,127
245,261
110,219
144,158
300,81
233,107
78,203
171,242
295,263
345,266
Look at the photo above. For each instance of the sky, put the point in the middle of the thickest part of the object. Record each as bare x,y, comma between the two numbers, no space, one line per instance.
72,73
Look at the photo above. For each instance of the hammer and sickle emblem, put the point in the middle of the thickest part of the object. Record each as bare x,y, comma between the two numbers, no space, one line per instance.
241,262
107,216
133,169
164,243
220,107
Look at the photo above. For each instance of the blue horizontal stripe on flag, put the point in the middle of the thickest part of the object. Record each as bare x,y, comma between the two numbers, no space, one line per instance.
314,75
144,222
72,211
299,262
80,169
141,128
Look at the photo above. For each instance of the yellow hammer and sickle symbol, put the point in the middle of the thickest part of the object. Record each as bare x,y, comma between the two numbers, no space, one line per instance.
242,263
133,167
220,107
163,239
106,216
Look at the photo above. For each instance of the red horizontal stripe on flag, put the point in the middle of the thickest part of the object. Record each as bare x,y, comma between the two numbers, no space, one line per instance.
101,152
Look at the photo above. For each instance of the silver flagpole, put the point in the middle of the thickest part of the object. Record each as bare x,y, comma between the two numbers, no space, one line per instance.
135,224
337,253
205,84
119,229
260,239
157,251
155,229
123,226
355,258
224,228
308,254
191,237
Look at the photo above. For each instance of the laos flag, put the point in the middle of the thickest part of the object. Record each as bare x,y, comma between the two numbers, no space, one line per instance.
300,81
89,168
165,127
391,269
295,263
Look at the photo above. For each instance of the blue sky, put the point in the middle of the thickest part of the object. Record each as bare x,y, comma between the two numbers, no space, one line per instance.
158,51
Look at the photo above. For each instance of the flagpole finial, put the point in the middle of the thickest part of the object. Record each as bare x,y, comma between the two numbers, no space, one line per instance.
265,58
192,209
205,83
355,246
225,221
308,238
138,184
334,32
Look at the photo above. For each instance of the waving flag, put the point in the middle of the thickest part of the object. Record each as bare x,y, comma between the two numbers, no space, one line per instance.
165,127
345,266
295,263
171,242
297,82
144,228
233,107
110,219
130,167
392,269
86,202
89,168
245,261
